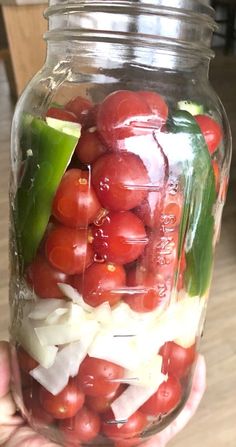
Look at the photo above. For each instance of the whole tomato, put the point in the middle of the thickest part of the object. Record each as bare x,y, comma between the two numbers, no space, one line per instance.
120,238
66,404
119,117
75,203
67,249
61,114
124,114
150,290
165,399
84,427
211,130
130,429
96,377
176,359
89,147
101,404
100,282
120,180
44,279
80,107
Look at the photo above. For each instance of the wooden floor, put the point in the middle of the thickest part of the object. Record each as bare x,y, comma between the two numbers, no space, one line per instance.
215,423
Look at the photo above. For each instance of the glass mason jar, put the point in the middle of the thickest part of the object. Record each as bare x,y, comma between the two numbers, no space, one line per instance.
120,162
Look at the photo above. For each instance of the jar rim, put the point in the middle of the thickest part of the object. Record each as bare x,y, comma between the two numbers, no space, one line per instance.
195,10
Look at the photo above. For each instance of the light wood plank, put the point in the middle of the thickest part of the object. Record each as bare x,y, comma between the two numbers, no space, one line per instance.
25,27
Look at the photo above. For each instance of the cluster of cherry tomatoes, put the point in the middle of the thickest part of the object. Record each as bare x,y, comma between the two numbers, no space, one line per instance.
106,209
112,230
82,410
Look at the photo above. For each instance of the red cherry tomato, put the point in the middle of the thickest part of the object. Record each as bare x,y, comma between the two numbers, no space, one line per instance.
177,360
133,427
165,399
100,282
121,115
84,427
66,404
96,376
121,238
157,106
155,210
161,254
101,404
80,107
149,210
26,362
67,249
75,203
120,180
211,130
43,278
89,147
32,405
91,119
152,297
61,114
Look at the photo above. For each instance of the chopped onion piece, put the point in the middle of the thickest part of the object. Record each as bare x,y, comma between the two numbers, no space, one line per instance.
66,365
75,314
61,334
103,313
133,397
54,317
119,350
81,352
55,378
44,307
188,316
75,296
44,355
145,375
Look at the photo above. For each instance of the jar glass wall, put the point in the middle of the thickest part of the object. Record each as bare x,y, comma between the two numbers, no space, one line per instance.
120,163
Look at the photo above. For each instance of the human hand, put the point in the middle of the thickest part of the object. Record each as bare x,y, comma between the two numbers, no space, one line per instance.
15,433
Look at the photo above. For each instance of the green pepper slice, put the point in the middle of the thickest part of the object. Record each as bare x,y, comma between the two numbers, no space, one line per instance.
197,226
46,154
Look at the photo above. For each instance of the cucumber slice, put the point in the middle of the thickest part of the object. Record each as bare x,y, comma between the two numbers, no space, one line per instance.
67,127
190,106
46,155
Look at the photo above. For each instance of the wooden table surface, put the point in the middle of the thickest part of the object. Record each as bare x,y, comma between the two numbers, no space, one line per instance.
215,422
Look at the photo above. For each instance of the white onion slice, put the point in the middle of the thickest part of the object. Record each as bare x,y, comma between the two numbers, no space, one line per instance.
133,397
103,313
55,378
44,355
145,375
67,363
54,317
118,350
75,296
81,352
61,334
44,307
188,316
